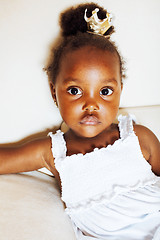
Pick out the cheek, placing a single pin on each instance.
(111, 108)
(68, 110)
(115, 104)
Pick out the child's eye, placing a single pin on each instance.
(74, 91)
(106, 91)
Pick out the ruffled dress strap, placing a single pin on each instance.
(125, 126)
(59, 148)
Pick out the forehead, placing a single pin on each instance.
(87, 58)
(91, 53)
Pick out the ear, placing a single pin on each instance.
(121, 86)
(53, 92)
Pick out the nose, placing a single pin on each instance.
(90, 105)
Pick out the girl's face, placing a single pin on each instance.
(88, 89)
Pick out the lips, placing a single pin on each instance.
(90, 120)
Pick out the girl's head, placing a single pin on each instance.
(85, 74)
(74, 35)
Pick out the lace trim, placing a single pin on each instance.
(59, 148)
(125, 126)
(105, 198)
(77, 155)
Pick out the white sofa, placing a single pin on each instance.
(30, 204)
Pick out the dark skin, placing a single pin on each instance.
(87, 92)
(92, 107)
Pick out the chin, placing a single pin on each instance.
(88, 134)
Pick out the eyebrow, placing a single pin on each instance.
(72, 80)
(110, 80)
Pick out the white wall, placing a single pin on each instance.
(27, 28)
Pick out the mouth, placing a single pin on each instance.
(90, 120)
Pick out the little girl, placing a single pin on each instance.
(108, 173)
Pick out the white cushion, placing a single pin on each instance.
(31, 208)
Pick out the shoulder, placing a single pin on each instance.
(41, 148)
(150, 146)
(44, 147)
(46, 144)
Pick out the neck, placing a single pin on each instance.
(79, 144)
(73, 135)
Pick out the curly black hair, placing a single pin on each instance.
(74, 35)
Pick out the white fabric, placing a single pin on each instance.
(110, 193)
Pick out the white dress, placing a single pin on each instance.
(110, 193)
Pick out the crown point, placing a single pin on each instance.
(96, 25)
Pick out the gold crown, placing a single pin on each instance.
(96, 25)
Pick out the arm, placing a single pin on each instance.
(27, 157)
(150, 147)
